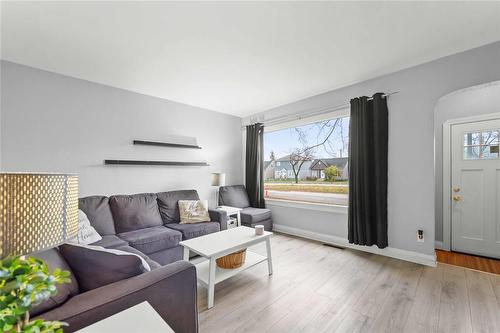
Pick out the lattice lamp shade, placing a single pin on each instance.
(218, 179)
(37, 211)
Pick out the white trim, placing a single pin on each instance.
(307, 205)
(446, 187)
(416, 257)
(438, 245)
(460, 91)
(447, 170)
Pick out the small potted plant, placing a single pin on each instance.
(24, 283)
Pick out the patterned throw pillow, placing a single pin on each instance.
(193, 211)
(86, 232)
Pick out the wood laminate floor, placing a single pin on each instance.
(316, 288)
(469, 261)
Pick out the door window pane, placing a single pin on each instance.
(471, 152)
(490, 137)
(472, 139)
(481, 145)
(490, 151)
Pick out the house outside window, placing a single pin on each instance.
(309, 161)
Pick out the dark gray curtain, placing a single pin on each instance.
(254, 169)
(368, 142)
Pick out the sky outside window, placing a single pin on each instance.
(283, 142)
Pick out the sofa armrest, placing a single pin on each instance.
(217, 215)
(171, 290)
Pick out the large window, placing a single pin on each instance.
(308, 163)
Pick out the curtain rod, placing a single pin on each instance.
(299, 116)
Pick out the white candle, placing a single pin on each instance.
(259, 230)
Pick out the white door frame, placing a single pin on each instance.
(447, 140)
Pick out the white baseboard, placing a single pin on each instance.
(438, 245)
(416, 257)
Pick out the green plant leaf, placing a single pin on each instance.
(24, 283)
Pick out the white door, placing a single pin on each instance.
(475, 192)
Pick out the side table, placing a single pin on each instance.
(232, 213)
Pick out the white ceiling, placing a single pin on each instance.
(239, 57)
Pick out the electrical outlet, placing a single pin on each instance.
(420, 236)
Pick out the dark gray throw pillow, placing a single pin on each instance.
(95, 266)
(99, 214)
(54, 260)
(168, 204)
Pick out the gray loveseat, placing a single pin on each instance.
(236, 196)
(146, 224)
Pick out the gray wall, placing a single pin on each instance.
(473, 101)
(52, 122)
(411, 139)
(318, 221)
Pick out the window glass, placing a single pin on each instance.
(310, 162)
(481, 145)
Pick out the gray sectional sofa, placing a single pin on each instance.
(148, 225)
(147, 222)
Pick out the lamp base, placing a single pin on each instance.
(216, 202)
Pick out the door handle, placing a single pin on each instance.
(456, 189)
(457, 198)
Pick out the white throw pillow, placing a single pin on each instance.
(193, 211)
(86, 232)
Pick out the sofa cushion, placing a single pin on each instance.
(99, 214)
(234, 196)
(194, 230)
(168, 204)
(95, 266)
(64, 291)
(168, 256)
(153, 239)
(254, 215)
(133, 212)
(152, 264)
(111, 242)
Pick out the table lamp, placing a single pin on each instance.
(218, 179)
(38, 211)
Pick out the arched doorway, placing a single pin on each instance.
(467, 122)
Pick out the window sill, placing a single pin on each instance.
(307, 205)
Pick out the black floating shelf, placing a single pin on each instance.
(165, 144)
(171, 163)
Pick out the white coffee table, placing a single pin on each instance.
(222, 243)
